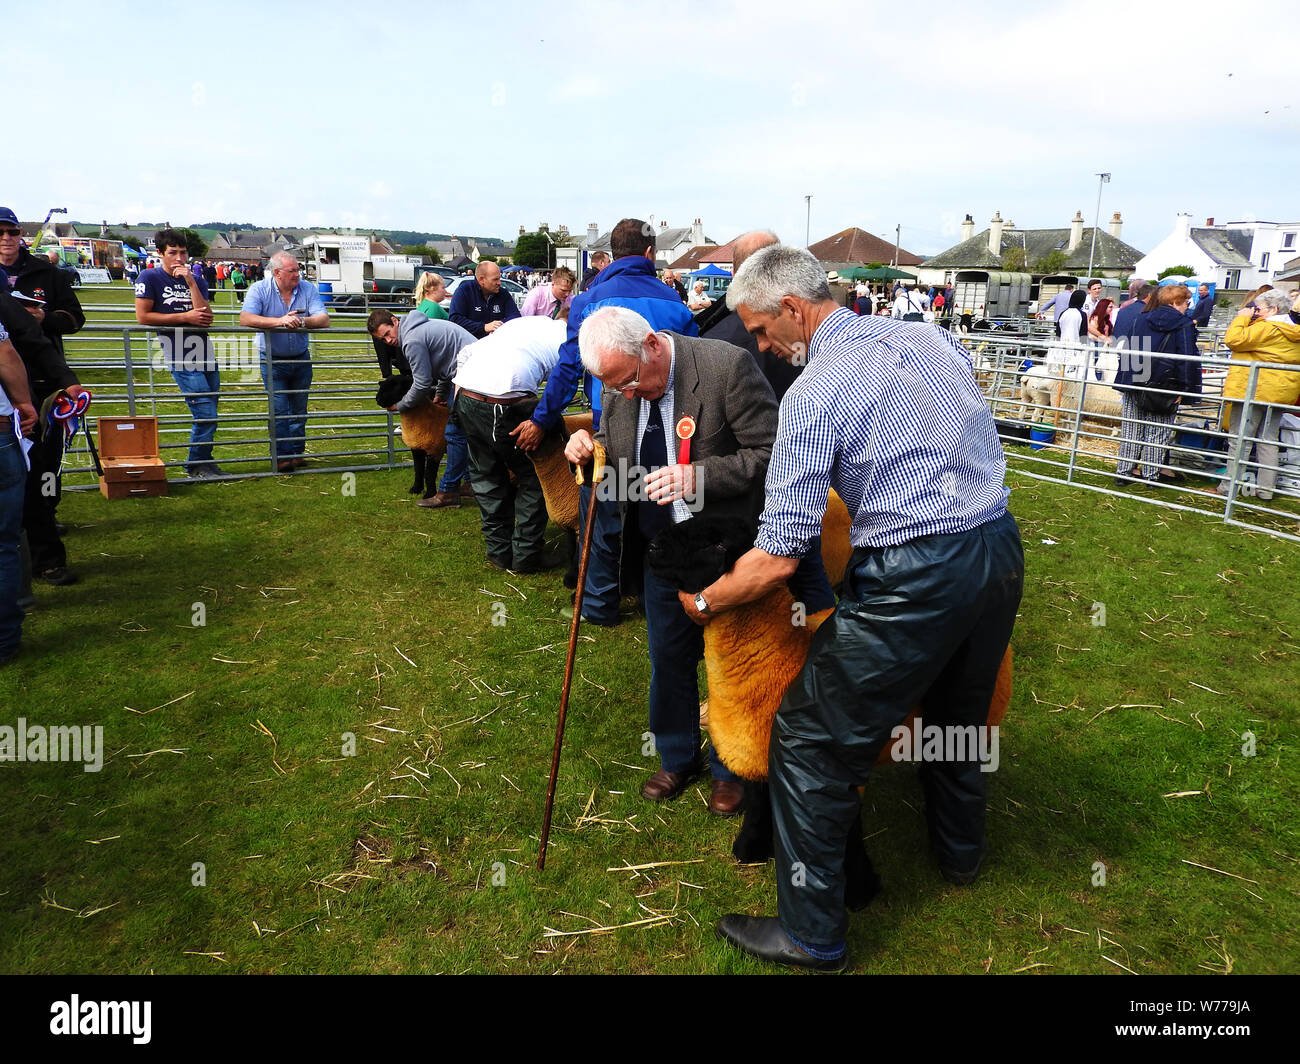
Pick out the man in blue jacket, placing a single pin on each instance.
(629, 281)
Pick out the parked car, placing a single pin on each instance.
(517, 291)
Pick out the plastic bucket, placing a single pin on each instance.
(1040, 436)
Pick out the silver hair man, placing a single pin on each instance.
(774, 273)
(612, 330)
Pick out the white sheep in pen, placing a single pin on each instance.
(1052, 388)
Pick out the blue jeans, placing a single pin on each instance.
(292, 379)
(13, 479)
(457, 467)
(601, 592)
(676, 647)
(200, 388)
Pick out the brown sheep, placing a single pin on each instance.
(425, 426)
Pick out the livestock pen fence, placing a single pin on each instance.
(1072, 434)
(125, 366)
(1078, 431)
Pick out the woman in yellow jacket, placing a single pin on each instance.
(1264, 332)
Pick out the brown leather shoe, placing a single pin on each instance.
(437, 502)
(726, 797)
(665, 786)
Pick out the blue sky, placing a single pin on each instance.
(477, 120)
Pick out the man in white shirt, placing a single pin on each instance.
(909, 305)
(697, 300)
(1090, 304)
(497, 379)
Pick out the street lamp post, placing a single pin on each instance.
(807, 232)
(1096, 221)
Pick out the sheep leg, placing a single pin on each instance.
(571, 549)
(753, 844)
(417, 458)
(861, 883)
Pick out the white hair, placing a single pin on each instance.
(1276, 301)
(774, 272)
(280, 259)
(616, 330)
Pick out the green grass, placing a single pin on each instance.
(385, 861)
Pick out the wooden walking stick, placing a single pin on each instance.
(597, 464)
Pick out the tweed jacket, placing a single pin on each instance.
(719, 385)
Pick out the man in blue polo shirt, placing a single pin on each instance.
(629, 281)
(889, 415)
(285, 301)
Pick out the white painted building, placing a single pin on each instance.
(1238, 255)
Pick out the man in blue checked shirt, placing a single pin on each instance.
(889, 415)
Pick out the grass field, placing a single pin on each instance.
(236, 825)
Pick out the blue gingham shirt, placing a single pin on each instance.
(678, 509)
(889, 415)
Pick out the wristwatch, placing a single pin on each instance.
(701, 605)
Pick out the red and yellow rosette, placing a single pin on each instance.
(685, 430)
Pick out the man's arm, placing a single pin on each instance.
(317, 317)
(13, 377)
(561, 382)
(43, 360)
(146, 315)
(251, 316)
(63, 313)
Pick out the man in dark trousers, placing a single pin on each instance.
(890, 416)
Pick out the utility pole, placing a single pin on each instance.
(898, 239)
(807, 232)
(1096, 221)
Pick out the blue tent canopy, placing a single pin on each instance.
(711, 271)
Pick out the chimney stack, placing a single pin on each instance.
(1182, 223)
(697, 233)
(663, 224)
(1116, 225)
(1008, 227)
(1076, 231)
(995, 234)
(968, 228)
(1209, 221)
(593, 231)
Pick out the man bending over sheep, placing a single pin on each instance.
(889, 415)
(430, 348)
(497, 379)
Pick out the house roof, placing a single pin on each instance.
(693, 258)
(1111, 253)
(859, 247)
(1226, 247)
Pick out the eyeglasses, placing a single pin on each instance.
(11, 232)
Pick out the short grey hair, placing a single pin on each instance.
(615, 329)
(1275, 301)
(774, 272)
(280, 259)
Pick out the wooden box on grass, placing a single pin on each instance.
(128, 451)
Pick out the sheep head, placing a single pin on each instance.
(695, 553)
(391, 390)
